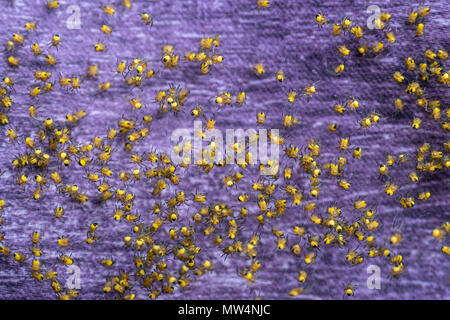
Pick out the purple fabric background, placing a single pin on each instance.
(283, 36)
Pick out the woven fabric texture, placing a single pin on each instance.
(283, 36)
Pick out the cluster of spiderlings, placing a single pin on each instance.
(133, 73)
(432, 160)
(169, 58)
(168, 239)
(171, 99)
(361, 45)
(226, 98)
(429, 66)
(419, 76)
(50, 275)
(426, 161)
(418, 19)
(207, 56)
